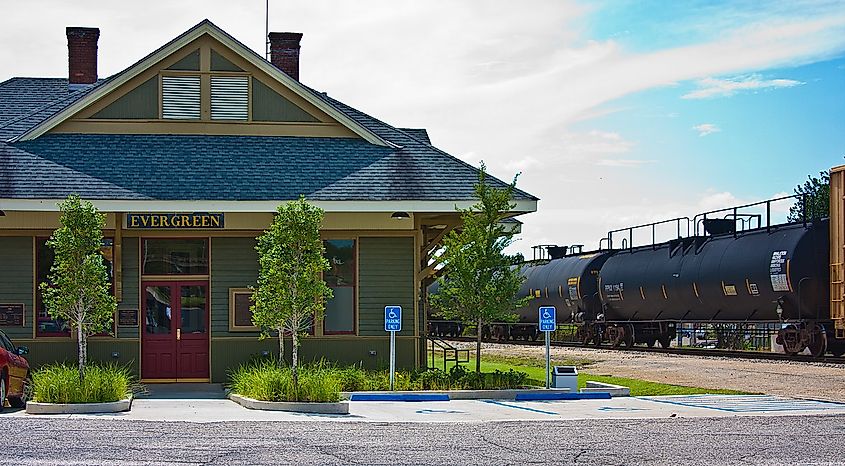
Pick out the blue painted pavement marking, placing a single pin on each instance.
(747, 403)
(562, 396)
(439, 411)
(525, 408)
(620, 408)
(398, 397)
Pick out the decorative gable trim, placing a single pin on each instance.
(204, 27)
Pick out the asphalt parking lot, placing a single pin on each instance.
(732, 440)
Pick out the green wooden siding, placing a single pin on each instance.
(230, 353)
(131, 295)
(191, 62)
(234, 264)
(268, 105)
(386, 277)
(16, 280)
(218, 63)
(140, 103)
(44, 351)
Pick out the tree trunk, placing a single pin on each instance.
(295, 361)
(83, 351)
(281, 346)
(478, 348)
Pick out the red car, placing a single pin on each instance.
(14, 373)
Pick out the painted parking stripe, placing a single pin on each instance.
(525, 408)
(398, 397)
(747, 403)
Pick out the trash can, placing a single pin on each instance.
(565, 377)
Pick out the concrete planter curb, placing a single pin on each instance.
(294, 406)
(120, 406)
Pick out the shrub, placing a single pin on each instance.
(269, 381)
(59, 383)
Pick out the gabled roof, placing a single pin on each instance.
(204, 27)
(251, 173)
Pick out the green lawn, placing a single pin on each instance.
(536, 374)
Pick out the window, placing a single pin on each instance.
(240, 315)
(229, 97)
(180, 97)
(45, 325)
(340, 310)
(175, 256)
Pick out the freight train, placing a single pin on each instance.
(731, 269)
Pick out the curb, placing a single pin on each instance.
(33, 407)
(293, 406)
(399, 397)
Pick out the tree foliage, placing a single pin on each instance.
(816, 191)
(291, 293)
(80, 291)
(480, 283)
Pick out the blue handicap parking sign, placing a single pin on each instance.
(548, 322)
(393, 318)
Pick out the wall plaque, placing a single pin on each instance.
(127, 318)
(173, 221)
(11, 315)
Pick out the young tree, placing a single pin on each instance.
(480, 284)
(816, 191)
(291, 293)
(80, 292)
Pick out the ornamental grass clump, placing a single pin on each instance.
(60, 383)
(268, 380)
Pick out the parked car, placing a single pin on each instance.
(14, 373)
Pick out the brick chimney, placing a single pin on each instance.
(82, 55)
(284, 52)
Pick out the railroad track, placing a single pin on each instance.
(758, 355)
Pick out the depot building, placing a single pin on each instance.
(189, 152)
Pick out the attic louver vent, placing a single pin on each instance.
(229, 97)
(180, 97)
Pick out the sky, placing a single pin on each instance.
(614, 113)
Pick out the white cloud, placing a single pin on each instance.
(706, 128)
(711, 87)
(625, 163)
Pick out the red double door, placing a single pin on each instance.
(174, 338)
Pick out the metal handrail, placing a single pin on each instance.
(629, 244)
(699, 218)
(446, 348)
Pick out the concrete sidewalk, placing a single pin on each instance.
(205, 408)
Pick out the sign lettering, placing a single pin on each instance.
(203, 220)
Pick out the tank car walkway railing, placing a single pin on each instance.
(450, 353)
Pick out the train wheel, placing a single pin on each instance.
(818, 341)
(665, 341)
(651, 342)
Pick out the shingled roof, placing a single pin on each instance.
(205, 167)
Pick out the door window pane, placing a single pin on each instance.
(159, 310)
(175, 257)
(340, 310)
(192, 303)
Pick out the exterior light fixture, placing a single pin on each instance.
(400, 215)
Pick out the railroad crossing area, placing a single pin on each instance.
(210, 409)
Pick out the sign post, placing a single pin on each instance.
(392, 324)
(548, 324)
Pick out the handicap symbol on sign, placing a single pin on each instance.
(546, 314)
(391, 314)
